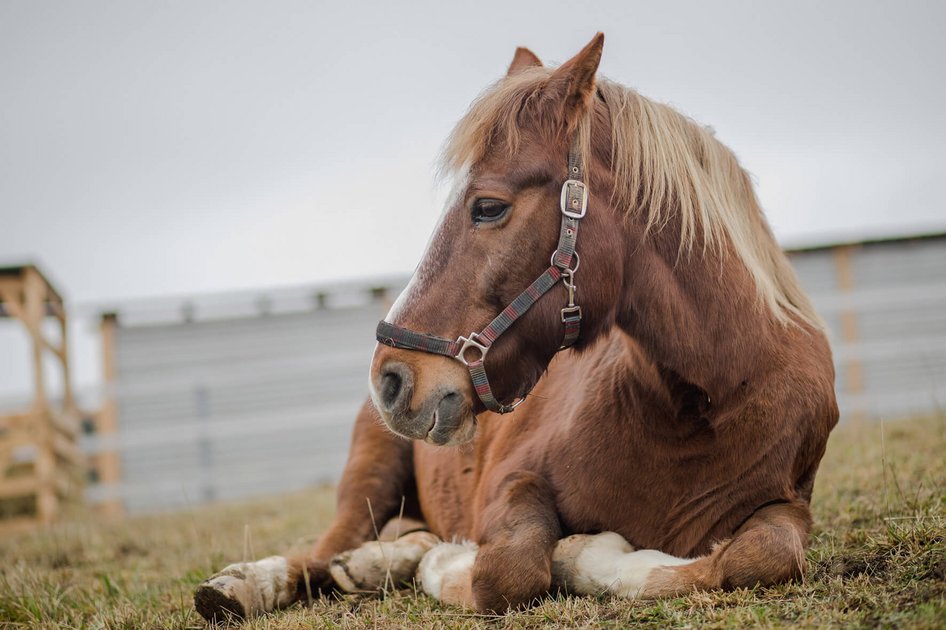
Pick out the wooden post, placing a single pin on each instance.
(68, 400)
(34, 309)
(853, 368)
(109, 464)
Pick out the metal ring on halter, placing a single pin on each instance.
(577, 260)
(466, 344)
(513, 405)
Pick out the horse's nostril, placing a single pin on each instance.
(390, 388)
(395, 386)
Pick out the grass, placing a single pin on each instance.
(877, 559)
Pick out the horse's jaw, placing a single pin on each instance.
(445, 425)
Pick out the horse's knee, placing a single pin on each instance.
(506, 579)
(762, 557)
(517, 532)
(770, 551)
(484, 578)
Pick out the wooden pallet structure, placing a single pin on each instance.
(40, 462)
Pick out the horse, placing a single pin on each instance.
(645, 407)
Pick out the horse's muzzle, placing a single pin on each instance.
(443, 417)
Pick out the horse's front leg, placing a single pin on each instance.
(512, 563)
(380, 471)
(768, 549)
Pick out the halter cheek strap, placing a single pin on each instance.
(472, 350)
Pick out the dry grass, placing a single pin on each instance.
(878, 558)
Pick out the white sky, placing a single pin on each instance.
(149, 149)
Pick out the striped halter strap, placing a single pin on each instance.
(472, 350)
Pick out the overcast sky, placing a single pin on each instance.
(150, 149)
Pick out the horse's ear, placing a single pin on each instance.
(574, 80)
(523, 59)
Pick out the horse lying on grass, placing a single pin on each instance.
(672, 445)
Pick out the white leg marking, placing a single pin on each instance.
(443, 562)
(258, 587)
(589, 565)
(375, 565)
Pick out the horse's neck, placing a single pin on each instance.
(697, 315)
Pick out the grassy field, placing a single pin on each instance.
(878, 558)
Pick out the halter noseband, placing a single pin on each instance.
(574, 205)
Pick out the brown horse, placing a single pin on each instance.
(672, 447)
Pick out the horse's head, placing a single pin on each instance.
(496, 237)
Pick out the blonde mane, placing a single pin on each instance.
(662, 163)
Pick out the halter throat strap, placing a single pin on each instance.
(472, 350)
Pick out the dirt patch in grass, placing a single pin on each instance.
(877, 558)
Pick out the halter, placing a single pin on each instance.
(574, 205)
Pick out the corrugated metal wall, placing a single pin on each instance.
(235, 407)
(259, 397)
(885, 304)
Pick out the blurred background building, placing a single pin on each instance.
(230, 396)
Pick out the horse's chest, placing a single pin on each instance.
(446, 483)
(638, 482)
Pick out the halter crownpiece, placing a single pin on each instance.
(472, 350)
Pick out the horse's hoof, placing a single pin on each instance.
(245, 590)
(216, 602)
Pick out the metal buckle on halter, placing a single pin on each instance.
(470, 342)
(568, 310)
(578, 206)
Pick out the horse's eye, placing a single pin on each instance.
(486, 210)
